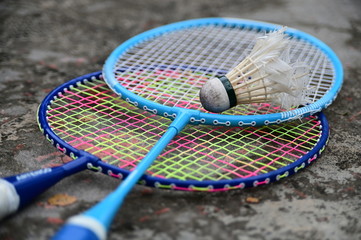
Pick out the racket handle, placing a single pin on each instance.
(9, 199)
(81, 227)
(19, 190)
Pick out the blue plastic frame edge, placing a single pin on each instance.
(228, 120)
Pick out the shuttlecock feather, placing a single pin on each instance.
(264, 76)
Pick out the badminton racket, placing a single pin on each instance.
(162, 70)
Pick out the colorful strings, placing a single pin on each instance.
(92, 118)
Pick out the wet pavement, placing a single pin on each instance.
(45, 43)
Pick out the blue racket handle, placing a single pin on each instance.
(9, 199)
(81, 227)
(19, 190)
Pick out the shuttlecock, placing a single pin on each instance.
(264, 76)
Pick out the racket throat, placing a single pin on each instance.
(80, 163)
(183, 117)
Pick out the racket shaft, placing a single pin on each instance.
(103, 213)
(21, 189)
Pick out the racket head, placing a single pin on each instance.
(175, 60)
(85, 115)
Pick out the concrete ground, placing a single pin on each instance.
(45, 43)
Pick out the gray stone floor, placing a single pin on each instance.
(45, 43)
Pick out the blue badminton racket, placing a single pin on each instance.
(162, 70)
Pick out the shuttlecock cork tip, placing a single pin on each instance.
(217, 95)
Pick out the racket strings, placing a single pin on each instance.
(177, 63)
(99, 125)
(166, 47)
(228, 153)
(92, 118)
(189, 55)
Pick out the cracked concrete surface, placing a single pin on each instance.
(45, 43)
